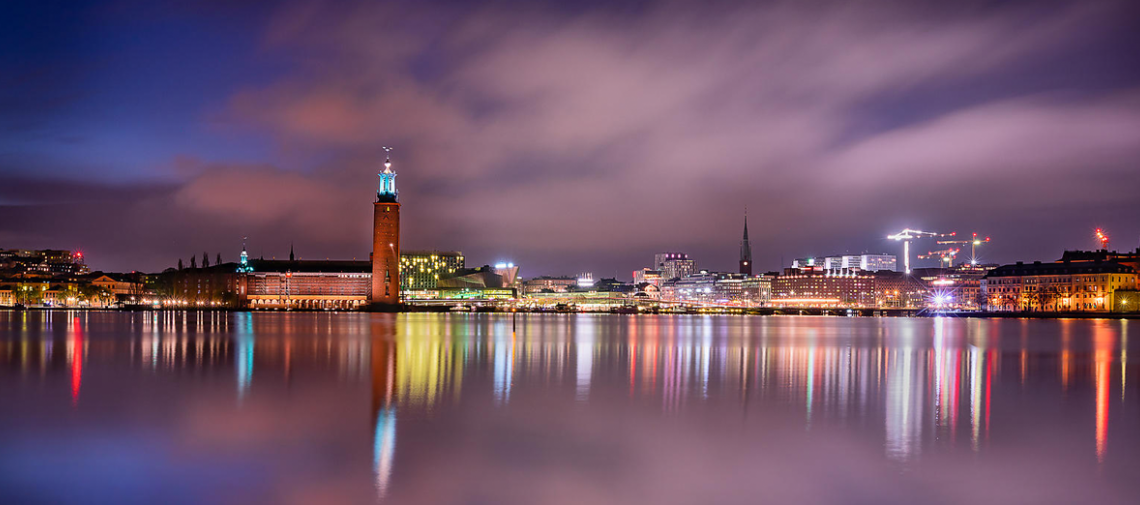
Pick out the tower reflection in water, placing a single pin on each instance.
(923, 382)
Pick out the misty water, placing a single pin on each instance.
(216, 407)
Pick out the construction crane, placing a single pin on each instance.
(944, 255)
(1102, 238)
(973, 242)
(906, 236)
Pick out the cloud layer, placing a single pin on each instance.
(588, 137)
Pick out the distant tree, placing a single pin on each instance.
(205, 260)
(218, 259)
(180, 263)
(194, 261)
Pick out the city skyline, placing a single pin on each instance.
(1017, 121)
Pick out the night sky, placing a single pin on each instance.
(567, 136)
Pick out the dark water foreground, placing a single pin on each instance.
(564, 409)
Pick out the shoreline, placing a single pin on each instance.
(916, 313)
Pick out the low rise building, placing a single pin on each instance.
(757, 289)
(549, 284)
(313, 285)
(1065, 286)
(809, 288)
(713, 288)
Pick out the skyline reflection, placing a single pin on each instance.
(917, 385)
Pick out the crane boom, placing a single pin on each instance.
(907, 235)
(973, 242)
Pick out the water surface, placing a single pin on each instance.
(213, 407)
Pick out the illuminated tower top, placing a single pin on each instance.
(387, 191)
(244, 266)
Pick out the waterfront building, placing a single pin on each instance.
(757, 289)
(710, 288)
(958, 287)
(313, 285)
(809, 288)
(476, 283)
(549, 284)
(1065, 286)
(119, 285)
(213, 286)
(898, 290)
(268, 284)
(386, 240)
(674, 265)
(422, 269)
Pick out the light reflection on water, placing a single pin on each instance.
(919, 389)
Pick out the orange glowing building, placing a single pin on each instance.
(386, 241)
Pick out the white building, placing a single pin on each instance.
(849, 263)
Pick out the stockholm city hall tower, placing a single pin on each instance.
(386, 240)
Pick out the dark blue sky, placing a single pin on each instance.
(567, 137)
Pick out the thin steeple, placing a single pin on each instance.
(745, 249)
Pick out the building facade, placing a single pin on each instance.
(549, 284)
(714, 288)
(1087, 286)
(423, 269)
(757, 289)
(306, 285)
(811, 288)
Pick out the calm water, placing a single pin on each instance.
(241, 408)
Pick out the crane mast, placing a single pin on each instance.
(907, 235)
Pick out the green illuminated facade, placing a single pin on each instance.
(422, 269)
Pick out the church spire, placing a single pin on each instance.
(745, 249)
(387, 191)
(291, 258)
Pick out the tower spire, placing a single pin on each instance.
(291, 251)
(745, 249)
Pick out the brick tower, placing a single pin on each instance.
(386, 240)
